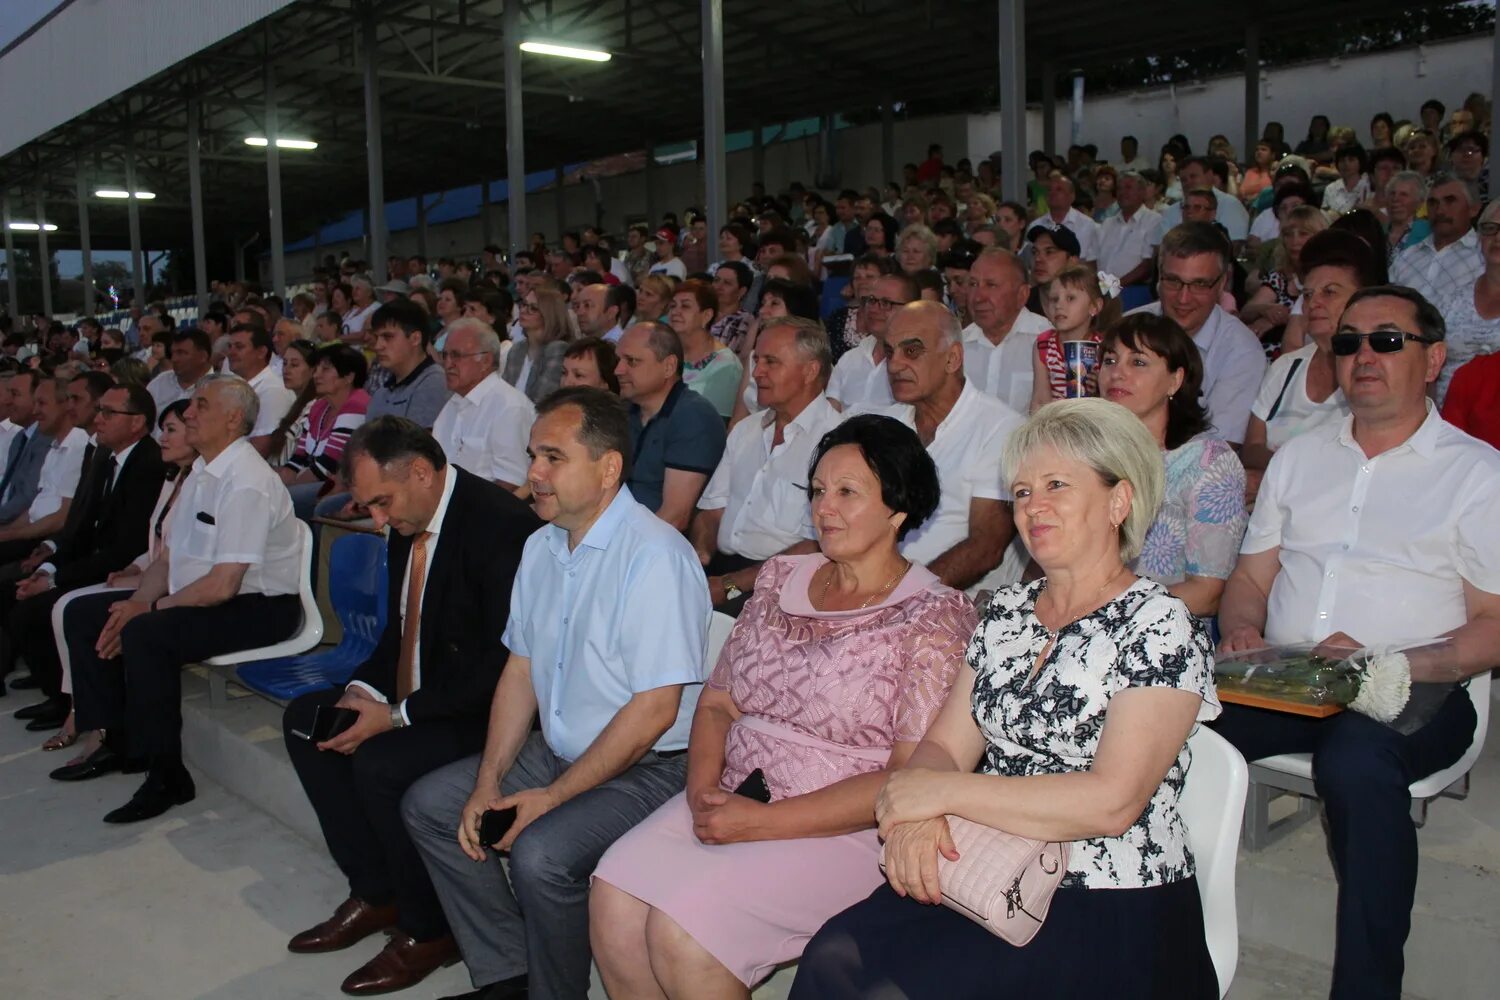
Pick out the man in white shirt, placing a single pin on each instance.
(191, 357)
(1198, 172)
(1127, 240)
(755, 505)
(667, 261)
(1448, 260)
(1374, 533)
(59, 477)
(250, 355)
(965, 432)
(999, 344)
(1130, 158)
(860, 376)
(1194, 263)
(226, 580)
(1060, 212)
(484, 425)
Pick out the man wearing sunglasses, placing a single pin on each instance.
(1374, 533)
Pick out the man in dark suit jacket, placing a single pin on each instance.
(423, 697)
(107, 527)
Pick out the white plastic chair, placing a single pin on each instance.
(1293, 773)
(305, 638)
(1212, 806)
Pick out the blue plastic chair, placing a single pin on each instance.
(357, 588)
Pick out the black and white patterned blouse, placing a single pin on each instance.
(1143, 638)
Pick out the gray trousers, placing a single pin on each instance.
(537, 920)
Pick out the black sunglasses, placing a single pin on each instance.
(1381, 342)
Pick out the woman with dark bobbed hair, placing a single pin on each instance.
(339, 373)
(836, 666)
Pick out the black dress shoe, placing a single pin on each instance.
(101, 762)
(26, 683)
(52, 713)
(513, 988)
(155, 797)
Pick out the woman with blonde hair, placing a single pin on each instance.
(652, 297)
(1270, 308)
(536, 366)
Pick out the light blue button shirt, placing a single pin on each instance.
(625, 612)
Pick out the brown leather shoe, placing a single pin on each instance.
(353, 921)
(403, 962)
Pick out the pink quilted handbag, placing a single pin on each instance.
(1001, 881)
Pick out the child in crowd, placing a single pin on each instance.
(1081, 305)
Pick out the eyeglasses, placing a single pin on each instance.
(530, 307)
(1381, 341)
(109, 412)
(871, 302)
(1171, 284)
(459, 355)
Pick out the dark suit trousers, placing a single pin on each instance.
(28, 629)
(358, 801)
(142, 688)
(10, 575)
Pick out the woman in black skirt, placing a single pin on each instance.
(1081, 691)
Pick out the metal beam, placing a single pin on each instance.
(560, 203)
(10, 258)
(133, 214)
(273, 184)
(651, 190)
(195, 195)
(715, 183)
(758, 154)
(1049, 107)
(1013, 99)
(515, 133)
(44, 256)
(374, 150)
(85, 246)
(888, 139)
(1252, 91)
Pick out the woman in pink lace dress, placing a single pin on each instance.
(831, 675)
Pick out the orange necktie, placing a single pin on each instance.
(406, 671)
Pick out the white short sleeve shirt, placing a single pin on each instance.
(859, 380)
(1081, 226)
(1005, 370)
(1285, 389)
(1124, 243)
(1440, 275)
(275, 400)
(1378, 548)
(763, 489)
(486, 432)
(59, 476)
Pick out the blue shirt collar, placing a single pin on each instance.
(600, 533)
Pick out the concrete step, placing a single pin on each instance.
(1286, 894)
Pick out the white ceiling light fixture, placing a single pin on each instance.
(260, 140)
(32, 227)
(566, 51)
(121, 193)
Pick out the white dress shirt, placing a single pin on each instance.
(858, 380)
(1439, 274)
(434, 529)
(968, 450)
(275, 400)
(235, 509)
(486, 432)
(1267, 226)
(1231, 214)
(1234, 365)
(762, 488)
(1005, 370)
(1124, 243)
(615, 333)
(1378, 548)
(59, 476)
(1081, 226)
(8, 431)
(166, 390)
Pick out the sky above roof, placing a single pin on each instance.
(18, 15)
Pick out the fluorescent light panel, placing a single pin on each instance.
(565, 51)
(260, 140)
(120, 193)
(31, 227)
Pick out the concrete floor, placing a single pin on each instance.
(200, 902)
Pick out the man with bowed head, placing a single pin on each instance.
(613, 683)
(422, 696)
(1374, 533)
(965, 432)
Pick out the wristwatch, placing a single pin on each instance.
(731, 592)
(398, 721)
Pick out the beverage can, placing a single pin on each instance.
(1081, 367)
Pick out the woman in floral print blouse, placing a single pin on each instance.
(1071, 724)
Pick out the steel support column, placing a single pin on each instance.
(273, 184)
(1013, 171)
(888, 140)
(422, 225)
(85, 245)
(195, 196)
(651, 215)
(1252, 91)
(559, 202)
(10, 260)
(715, 182)
(758, 155)
(44, 256)
(1049, 107)
(138, 274)
(486, 224)
(515, 133)
(374, 155)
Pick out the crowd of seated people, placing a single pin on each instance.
(854, 422)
